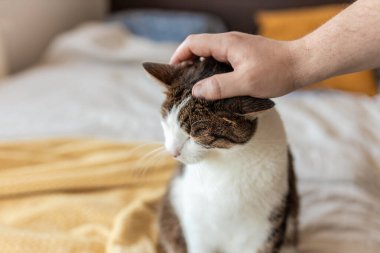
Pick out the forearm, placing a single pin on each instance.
(265, 68)
(349, 42)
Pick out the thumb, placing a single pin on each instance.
(218, 87)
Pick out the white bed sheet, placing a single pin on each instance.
(91, 84)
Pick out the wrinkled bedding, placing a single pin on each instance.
(91, 84)
(81, 196)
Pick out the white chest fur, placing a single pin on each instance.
(224, 202)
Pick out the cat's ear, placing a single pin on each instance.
(253, 106)
(249, 107)
(162, 73)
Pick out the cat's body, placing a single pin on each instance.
(236, 191)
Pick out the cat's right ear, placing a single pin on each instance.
(162, 73)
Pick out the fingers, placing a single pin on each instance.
(219, 86)
(218, 46)
(203, 45)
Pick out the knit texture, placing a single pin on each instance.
(80, 195)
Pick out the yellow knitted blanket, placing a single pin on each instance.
(80, 195)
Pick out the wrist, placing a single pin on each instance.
(300, 69)
(306, 67)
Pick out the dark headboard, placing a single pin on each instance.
(237, 14)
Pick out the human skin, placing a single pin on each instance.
(266, 68)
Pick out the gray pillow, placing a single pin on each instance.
(165, 25)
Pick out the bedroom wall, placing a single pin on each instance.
(27, 26)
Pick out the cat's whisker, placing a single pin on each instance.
(145, 168)
(152, 152)
(145, 159)
(142, 159)
(145, 162)
(154, 155)
(135, 150)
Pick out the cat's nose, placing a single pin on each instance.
(175, 148)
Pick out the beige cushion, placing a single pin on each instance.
(29, 25)
(3, 66)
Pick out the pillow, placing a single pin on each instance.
(30, 26)
(3, 67)
(173, 26)
(291, 24)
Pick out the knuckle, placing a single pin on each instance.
(215, 88)
(231, 39)
(191, 38)
(233, 36)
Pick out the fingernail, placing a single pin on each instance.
(198, 90)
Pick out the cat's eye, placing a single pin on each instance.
(198, 131)
(193, 124)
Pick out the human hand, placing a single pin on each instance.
(262, 67)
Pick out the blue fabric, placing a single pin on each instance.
(163, 25)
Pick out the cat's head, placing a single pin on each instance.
(194, 127)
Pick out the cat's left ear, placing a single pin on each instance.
(162, 73)
(249, 107)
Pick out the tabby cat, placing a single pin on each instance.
(235, 191)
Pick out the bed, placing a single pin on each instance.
(90, 85)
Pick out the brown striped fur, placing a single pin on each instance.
(212, 124)
(284, 218)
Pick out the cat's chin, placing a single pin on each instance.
(192, 157)
(189, 160)
(192, 153)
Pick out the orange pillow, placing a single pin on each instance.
(291, 24)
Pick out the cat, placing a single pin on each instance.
(235, 191)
